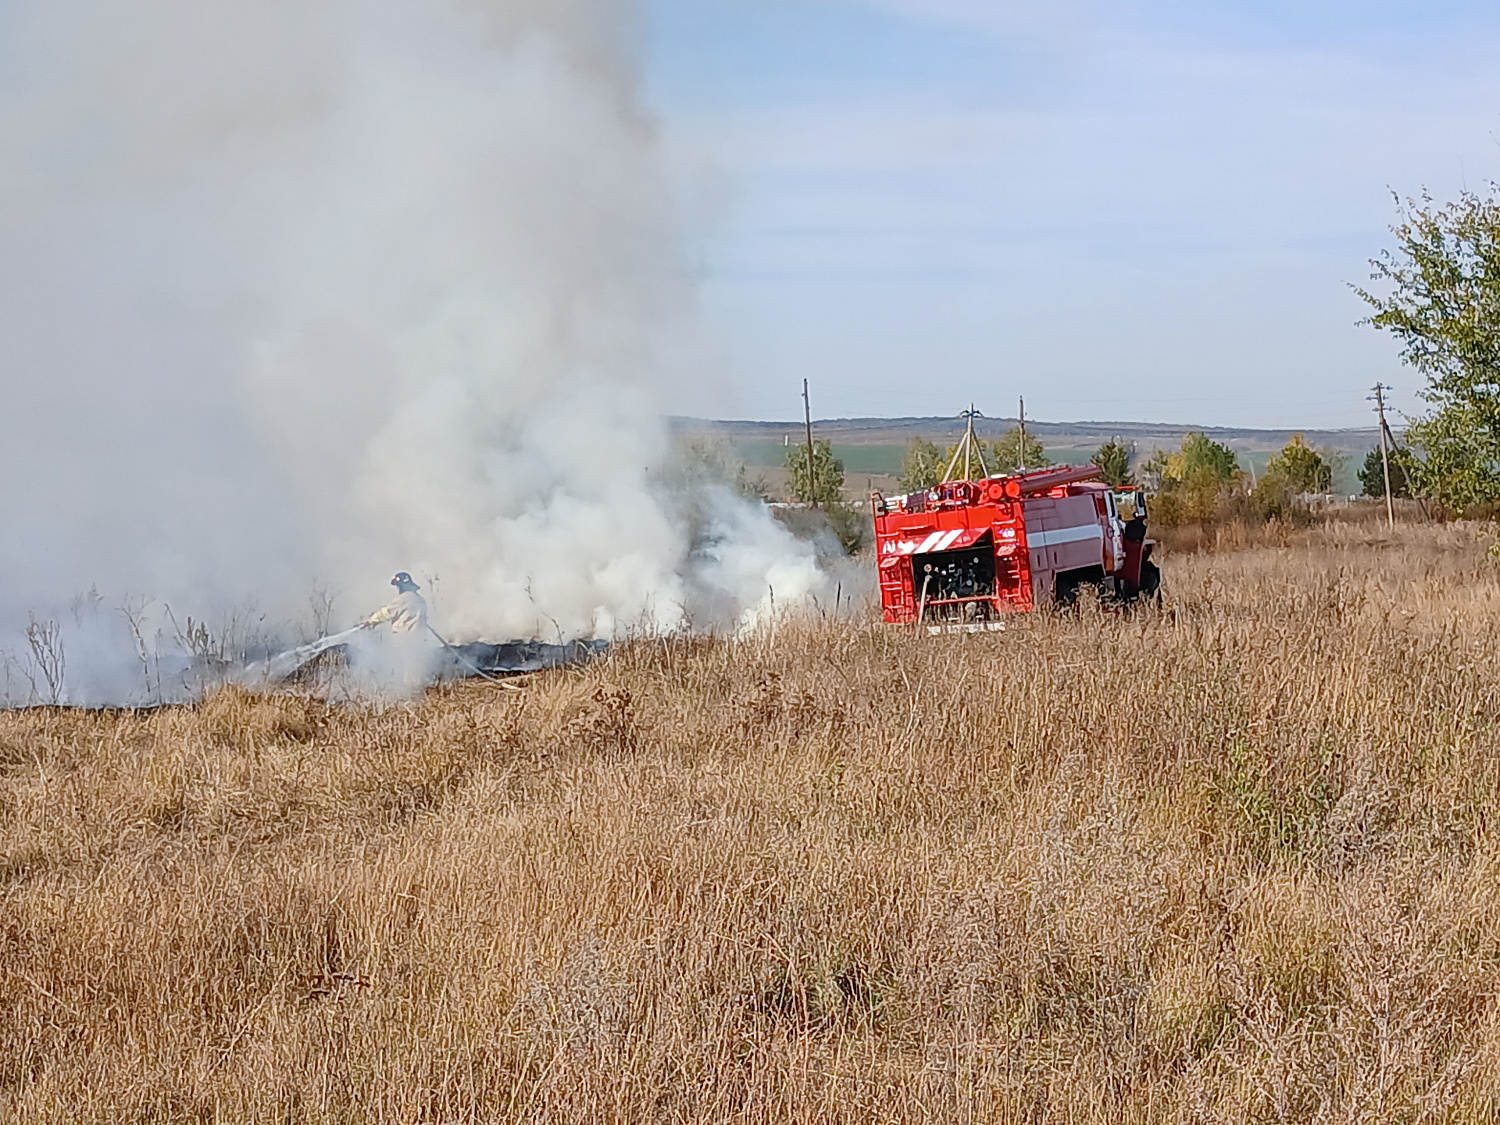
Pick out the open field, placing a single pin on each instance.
(896, 432)
(866, 467)
(1233, 861)
(874, 446)
(877, 460)
(869, 466)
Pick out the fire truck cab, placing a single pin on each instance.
(971, 551)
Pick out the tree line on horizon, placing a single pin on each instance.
(1197, 482)
(1201, 481)
(1440, 299)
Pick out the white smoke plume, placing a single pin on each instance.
(297, 293)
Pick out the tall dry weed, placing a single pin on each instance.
(1229, 860)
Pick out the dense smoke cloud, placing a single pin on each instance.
(303, 293)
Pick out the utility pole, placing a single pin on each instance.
(1385, 457)
(1021, 453)
(968, 441)
(812, 489)
(969, 449)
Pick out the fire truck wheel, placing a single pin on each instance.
(1071, 584)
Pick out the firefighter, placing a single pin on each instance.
(1135, 532)
(407, 611)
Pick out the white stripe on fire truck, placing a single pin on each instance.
(1036, 539)
(929, 543)
(937, 541)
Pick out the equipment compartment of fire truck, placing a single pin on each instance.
(968, 552)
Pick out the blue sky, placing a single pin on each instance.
(1120, 210)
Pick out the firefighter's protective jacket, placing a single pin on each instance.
(406, 612)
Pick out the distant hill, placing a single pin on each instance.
(1055, 435)
(871, 448)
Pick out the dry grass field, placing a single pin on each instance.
(1238, 860)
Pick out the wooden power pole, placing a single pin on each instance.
(969, 449)
(1385, 456)
(1021, 451)
(812, 488)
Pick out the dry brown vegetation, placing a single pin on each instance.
(1229, 862)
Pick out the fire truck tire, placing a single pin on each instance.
(1070, 583)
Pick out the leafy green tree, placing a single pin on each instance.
(1201, 453)
(1443, 305)
(1113, 460)
(825, 484)
(922, 466)
(1005, 454)
(1297, 468)
(836, 528)
(1372, 476)
(1198, 456)
(1300, 467)
(1191, 482)
(851, 524)
(704, 459)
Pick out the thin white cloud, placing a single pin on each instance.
(1170, 223)
(997, 17)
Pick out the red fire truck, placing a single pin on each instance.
(968, 552)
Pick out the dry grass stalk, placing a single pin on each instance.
(1229, 862)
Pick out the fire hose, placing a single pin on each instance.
(475, 668)
(279, 667)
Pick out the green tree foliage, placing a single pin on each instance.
(922, 466)
(1444, 308)
(1372, 476)
(1113, 460)
(851, 524)
(1296, 469)
(1005, 453)
(825, 484)
(837, 528)
(1198, 457)
(1191, 482)
(1202, 454)
(704, 459)
(1301, 467)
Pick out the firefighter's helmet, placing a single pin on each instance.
(402, 580)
